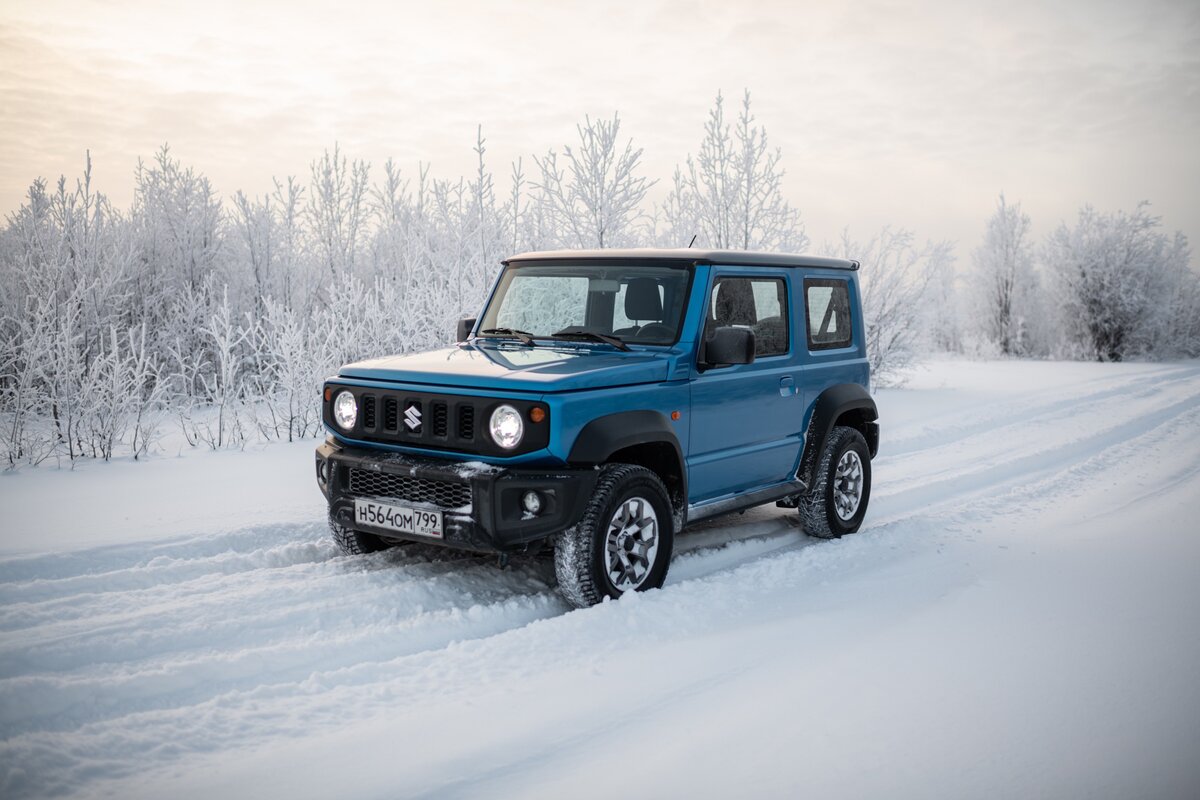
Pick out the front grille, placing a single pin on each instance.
(369, 411)
(414, 490)
(390, 413)
(435, 421)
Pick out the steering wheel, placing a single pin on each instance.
(654, 330)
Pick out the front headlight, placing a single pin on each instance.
(506, 427)
(345, 410)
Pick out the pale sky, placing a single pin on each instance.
(913, 114)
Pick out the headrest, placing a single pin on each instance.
(642, 301)
(735, 303)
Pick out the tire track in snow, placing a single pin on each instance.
(956, 473)
(1009, 411)
(1112, 475)
(301, 621)
(328, 628)
(115, 559)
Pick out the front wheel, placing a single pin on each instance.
(623, 541)
(356, 543)
(837, 501)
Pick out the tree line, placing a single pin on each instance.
(220, 317)
(1110, 286)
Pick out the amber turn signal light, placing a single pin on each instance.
(328, 393)
(537, 414)
(675, 415)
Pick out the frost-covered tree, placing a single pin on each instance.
(593, 198)
(27, 434)
(337, 210)
(67, 272)
(223, 377)
(297, 289)
(730, 195)
(1116, 280)
(254, 221)
(1183, 326)
(1003, 278)
(176, 219)
(470, 228)
(295, 363)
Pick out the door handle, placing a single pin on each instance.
(787, 386)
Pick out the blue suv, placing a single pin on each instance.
(604, 400)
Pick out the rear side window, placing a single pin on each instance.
(759, 304)
(828, 306)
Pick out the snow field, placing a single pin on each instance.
(1016, 619)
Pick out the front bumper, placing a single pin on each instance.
(480, 503)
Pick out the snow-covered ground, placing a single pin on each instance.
(1019, 617)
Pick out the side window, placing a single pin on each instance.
(828, 306)
(759, 304)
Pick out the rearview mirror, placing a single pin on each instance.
(729, 345)
(465, 326)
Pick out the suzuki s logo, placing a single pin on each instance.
(412, 417)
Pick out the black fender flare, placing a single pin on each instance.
(603, 436)
(829, 406)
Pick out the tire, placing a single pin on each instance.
(355, 543)
(826, 509)
(630, 509)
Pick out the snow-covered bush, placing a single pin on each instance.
(1123, 286)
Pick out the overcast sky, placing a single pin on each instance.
(914, 114)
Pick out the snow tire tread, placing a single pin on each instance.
(816, 506)
(353, 543)
(574, 553)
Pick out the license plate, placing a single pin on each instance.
(398, 518)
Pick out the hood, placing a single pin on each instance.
(516, 367)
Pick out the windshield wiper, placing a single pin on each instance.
(606, 338)
(524, 336)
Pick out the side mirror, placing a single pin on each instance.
(465, 326)
(729, 345)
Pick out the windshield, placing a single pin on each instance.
(637, 304)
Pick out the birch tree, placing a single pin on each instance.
(297, 291)
(593, 197)
(1003, 278)
(337, 210)
(176, 217)
(730, 195)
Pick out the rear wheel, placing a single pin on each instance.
(837, 501)
(623, 541)
(356, 543)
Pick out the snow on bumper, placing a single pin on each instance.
(480, 503)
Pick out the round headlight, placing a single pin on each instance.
(506, 427)
(345, 410)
